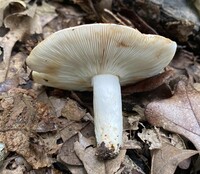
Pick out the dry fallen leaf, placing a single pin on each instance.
(166, 159)
(13, 5)
(87, 154)
(72, 111)
(88, 157)
(174, 141)
(71, 128)
(182, 60)
(19, 24)
(114, 165)
(179, 113)
(21, 19)
(69, 135)
(186, 63)
(147, 84)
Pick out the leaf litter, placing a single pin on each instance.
(48, 130)
(184, 121)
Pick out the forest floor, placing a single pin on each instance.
(44, 130)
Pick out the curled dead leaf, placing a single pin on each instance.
(10, 5)
(148, 84)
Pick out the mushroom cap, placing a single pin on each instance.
(70, 58)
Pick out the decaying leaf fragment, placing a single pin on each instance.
(179, 113)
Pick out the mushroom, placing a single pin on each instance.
(100, 57)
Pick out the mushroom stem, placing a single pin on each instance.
(107, 115)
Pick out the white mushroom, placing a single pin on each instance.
(101, 56)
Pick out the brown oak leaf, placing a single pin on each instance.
(179, 114)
